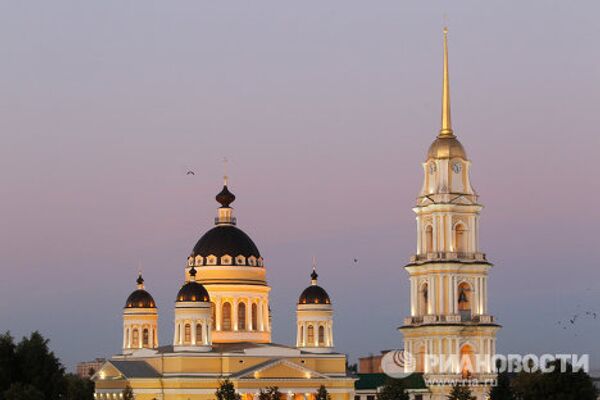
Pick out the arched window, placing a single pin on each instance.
(226, 322)
(302, 335)
(420, 359)
(460, 238)
(321, 335)
(310, 331)
(135, 338)
(429, 239)
(145, 338)
(242, 316)
(467, 361)
(424, 300)
(198, 333)
(464, 300)
(254, 310)
(187, 334)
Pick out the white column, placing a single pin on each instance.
(435, 232)
(419, 234)
(151, 337)
(266, 316)
(485, 295)
(181, 332)
(249, 326)
(218, 314)
(193, 333)
(304, 335)
(208, 333)
(432, 295)
(259, 310)
(413, 296)
(234, 313)
(124, 336)
(449, 245)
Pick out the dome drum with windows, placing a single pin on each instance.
(314, 318)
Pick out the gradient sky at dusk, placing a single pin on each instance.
(325, 111)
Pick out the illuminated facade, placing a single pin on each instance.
(222, 329)
(449, 316)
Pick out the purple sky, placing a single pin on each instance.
(325, 112)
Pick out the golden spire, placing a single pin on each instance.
(446, 130)
(225, 177)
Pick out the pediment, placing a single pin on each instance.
(280, 369)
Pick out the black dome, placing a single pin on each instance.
(140, 299)
(225, 239)
(193, 291)
(225, 197)
(314, 294)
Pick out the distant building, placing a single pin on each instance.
(371, 364)
(86, 369)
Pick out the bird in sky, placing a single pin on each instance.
(190, 172)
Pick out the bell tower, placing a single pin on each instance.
(449, 319)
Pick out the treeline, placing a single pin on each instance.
(30, 371)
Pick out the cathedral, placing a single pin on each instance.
(222, 329)
(222, 323)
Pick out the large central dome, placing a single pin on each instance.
(225, 240)
(225, 244)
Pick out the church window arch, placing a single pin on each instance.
(145, 337)
(429, 239)
(321, 335)
(424, 299)
(254, 312)
(135, 338)
(198, 333)
(460, 238)
(187, 334)
(464, 300)
(310, 335)
(226, 317)
(242, 316)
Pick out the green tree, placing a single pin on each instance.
(556, 385)
(8, 362)
(128, 393)
(39, 367)
(502, 390)
(270, 393)
(322, 393)
(460, 392)
(21, 391)
(78, 388)
(393, 390)
(226, 391)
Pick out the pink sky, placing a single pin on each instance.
(325, 113)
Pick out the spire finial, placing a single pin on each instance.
(314, 275)
(140, 280)
(225, 177)
(193, 273)
(446, 129)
